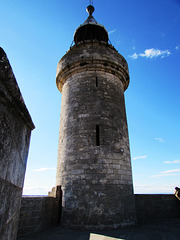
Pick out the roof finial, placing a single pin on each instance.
(90, 9)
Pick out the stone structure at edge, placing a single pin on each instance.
(94, 166)
(15, 132)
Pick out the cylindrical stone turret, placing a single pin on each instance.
(94, 165)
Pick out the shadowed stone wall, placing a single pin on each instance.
(15, 131)
(154, 206)
(38, 213)
(94, 165)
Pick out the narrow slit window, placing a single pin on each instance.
(96, 82)
(97, 136)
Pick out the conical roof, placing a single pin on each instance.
(91, 29)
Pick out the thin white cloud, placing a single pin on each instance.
(112, 31)
(134, 56)
(177, 47)
(165, 188)
(171, 171)
(161, 140)
(164, 175)
(139, 157)
(173, 162)
(152, 53)
(43, 169)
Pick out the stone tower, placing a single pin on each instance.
(94, 166)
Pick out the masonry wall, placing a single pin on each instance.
(94, 166)
(15, 132)
(156, 206)
(37, 213)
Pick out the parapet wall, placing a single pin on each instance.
(39, 213)
(156, 206)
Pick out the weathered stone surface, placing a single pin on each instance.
(156, 206)
(15, 131)
(96, 177)
(37, 214)
(92, 57)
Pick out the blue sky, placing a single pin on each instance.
(36, 34)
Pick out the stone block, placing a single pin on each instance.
(102, 237)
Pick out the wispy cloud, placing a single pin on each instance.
(43, 169)
(152, 53)
(165, 188)
(161, 140)
(177, 47)
(112, 31)
(134, 56)
(163, 175)
(139, 157)
(171, 172)
(173, 162)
